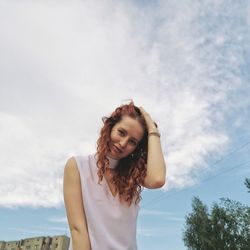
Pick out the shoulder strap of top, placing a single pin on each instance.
(83, 165)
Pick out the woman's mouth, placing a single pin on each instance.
(117, 149)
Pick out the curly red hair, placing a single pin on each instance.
(130, 172)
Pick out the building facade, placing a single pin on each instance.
(60, 242)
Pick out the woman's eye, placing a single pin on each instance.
(133, 142)
(121, 132)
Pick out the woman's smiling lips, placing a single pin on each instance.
(117, 149)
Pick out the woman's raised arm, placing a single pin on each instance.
(156, 166)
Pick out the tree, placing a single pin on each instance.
(231, 225)
(198, 227)
(227, 227)
(247, 183)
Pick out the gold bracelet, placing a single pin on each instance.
(154, 133)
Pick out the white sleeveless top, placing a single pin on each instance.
(111, 224)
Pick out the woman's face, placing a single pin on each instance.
(125, 136)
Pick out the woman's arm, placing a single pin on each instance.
(156, 167)
(74, 206)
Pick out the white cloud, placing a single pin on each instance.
(64, 65)
(164, 215)
(58, 219)
(30, 232)
(155, 232)
(40, 231)
(154, 212)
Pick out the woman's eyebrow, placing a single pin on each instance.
(127, 132)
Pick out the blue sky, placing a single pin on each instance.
(65, 64)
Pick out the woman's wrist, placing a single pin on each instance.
(154, 133)
(151, 125)
(153, 129)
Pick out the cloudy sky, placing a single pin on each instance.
(66, 64)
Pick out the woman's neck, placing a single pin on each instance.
(112, 162)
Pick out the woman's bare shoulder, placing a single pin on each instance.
(71, 167)
(70, 162)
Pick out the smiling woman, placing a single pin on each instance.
(125, 136)
(102, 190)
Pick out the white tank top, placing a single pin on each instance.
(111, 224)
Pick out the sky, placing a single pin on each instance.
(66, 64)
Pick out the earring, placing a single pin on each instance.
(142, 153)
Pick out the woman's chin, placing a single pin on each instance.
(113, 155)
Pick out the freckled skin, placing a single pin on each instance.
(125, 135)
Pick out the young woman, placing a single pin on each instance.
(102, 190)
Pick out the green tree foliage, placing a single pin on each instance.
(197, 227)
(226, 227)
(247, 183)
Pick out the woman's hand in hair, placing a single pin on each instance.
(151, 125)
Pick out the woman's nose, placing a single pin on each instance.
(123, 143)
